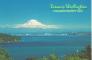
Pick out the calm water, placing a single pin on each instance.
(46, 45)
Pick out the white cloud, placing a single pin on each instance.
(35, 24)
(7, 26)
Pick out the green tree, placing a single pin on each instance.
(53, 57)
(4, 55)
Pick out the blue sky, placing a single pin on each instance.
(20, 11)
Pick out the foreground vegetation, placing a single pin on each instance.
(85, 54)
(5, 38)
(4, 55)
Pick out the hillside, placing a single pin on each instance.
(5, 38)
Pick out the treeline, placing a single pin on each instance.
(6, 38)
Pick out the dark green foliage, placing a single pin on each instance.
(72, 57)
(4, 55)
(53, 57)
(86, 53)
